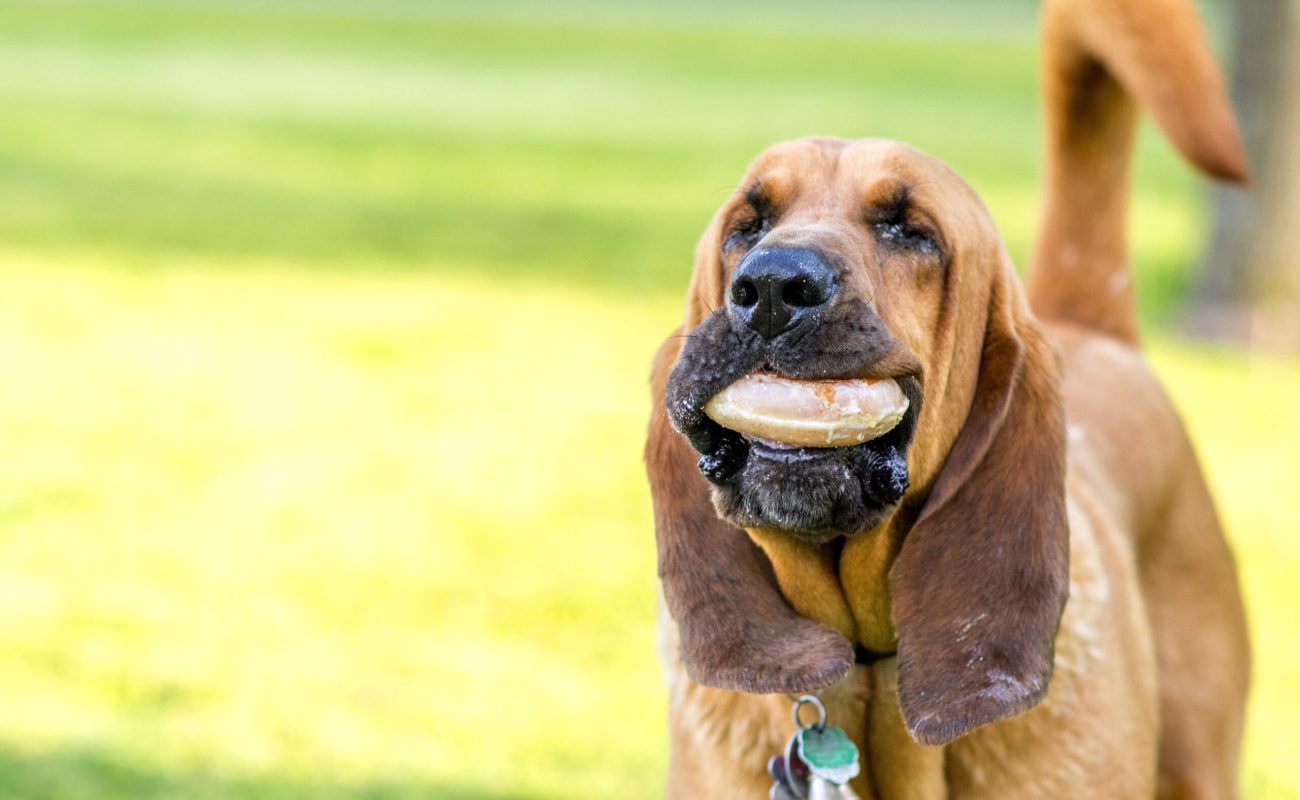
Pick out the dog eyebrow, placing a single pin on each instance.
(756, 197)
(894, 206)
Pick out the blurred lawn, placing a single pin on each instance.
(326, 329)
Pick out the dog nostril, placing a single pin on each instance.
(801, 293)
(744, 293)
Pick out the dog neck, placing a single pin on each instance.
(814, 577)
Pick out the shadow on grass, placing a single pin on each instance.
(90, 773)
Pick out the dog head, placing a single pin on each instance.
(867, 259)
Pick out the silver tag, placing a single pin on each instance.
(822, 789)
(789, 773)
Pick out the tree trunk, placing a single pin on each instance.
(1250, 281)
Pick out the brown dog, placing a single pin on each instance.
(1028, 568)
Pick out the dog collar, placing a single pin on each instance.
(866, 656)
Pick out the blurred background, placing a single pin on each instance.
(325, 330)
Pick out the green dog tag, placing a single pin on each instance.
(829, 753)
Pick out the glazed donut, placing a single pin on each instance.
(821, 413)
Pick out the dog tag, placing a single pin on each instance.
(822, 789)
(829, 753)
(776, 770)
(789, 774)
(818, 762)
(780, 791)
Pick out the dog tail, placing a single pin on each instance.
(1101, 59)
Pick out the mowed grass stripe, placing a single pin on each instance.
(590, 153)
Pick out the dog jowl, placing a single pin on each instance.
(787, 315)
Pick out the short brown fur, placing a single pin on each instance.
(1063, 605)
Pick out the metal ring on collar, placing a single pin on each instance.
(821, 712)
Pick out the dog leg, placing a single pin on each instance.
(1196, 614)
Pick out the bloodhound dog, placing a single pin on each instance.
(1022, 590)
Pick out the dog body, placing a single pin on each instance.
(1098, 731)
(1042, 462)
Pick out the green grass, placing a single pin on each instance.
(317, 481)
(576, 148)
(271, 532)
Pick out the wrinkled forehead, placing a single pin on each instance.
(830, 172)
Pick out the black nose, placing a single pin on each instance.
(776, 288)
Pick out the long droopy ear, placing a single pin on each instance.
(735, 629)
(980, 583)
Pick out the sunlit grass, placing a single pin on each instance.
(1244, 416)
(336, 529)
(297, 535)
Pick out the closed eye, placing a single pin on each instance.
(902, 234)
(896, 223)
(753, 224)
(748, 231)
